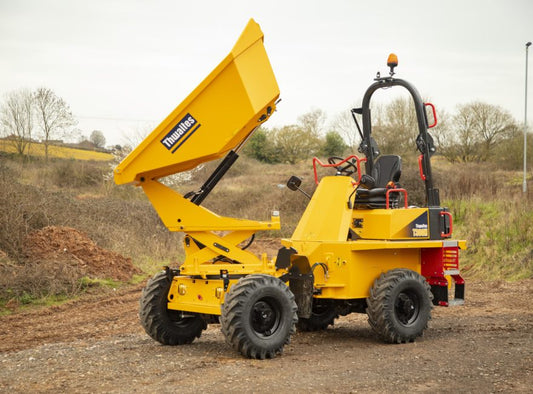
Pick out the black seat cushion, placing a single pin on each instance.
(386, 169)
(371, 193)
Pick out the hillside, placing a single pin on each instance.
(62, 152)
(490, 212)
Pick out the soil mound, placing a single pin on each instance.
(68, 244)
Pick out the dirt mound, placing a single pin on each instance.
(68, 244)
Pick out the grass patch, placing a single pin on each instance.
(499, 233)
(27, 301)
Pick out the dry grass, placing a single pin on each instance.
(252, 190)
(489, 209)
(128, 226)
(23, 283)
(488, 205)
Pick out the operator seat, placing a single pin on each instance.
(371, 192)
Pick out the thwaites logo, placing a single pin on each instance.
(180, 133)
(419, 227)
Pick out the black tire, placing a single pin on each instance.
(322, 316)
(399, 306)
(259, 316)
(167, 326)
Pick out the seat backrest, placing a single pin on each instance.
(387, 168)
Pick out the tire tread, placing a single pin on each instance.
(154, 319)
(379, 305)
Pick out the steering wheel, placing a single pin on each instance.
(347, 168)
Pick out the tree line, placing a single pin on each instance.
(476, 132)
(293, 143)
(29, 114)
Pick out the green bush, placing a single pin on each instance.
(333, 145)
(261, 147)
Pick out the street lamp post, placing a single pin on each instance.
(524, 184)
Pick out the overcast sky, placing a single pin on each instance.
(124, 65)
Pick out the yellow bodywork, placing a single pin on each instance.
(235, 98)
(350, 263)
(394, 224)
(346, 249)
(218, 116)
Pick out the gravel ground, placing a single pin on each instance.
(97, 345)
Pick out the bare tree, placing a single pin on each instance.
(97, 138)
(53, 115)
(16, 118)
(478, 128)
(493, 124)
(445, 140)
(345, 126)
(467, 141)
(313, 121)
(134, 136)
(394, 126)
(399, 128)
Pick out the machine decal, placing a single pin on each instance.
(181, 132)
(418, 228)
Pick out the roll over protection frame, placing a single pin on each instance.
(426, 144)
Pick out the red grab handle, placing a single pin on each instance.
(434, 114)
(449, 233)
(420, 168)
(399, 190)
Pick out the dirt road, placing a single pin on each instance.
(96, 345)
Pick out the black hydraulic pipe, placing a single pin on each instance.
(215, 177)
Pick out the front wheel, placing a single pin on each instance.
(259, 316)
(167, 326)
(399, 306)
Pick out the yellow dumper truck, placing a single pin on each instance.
(359, 246)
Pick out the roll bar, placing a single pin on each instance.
(424, 141)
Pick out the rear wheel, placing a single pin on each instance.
(322, 316)
(167, 326)
(399, 306)
(259, 316)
